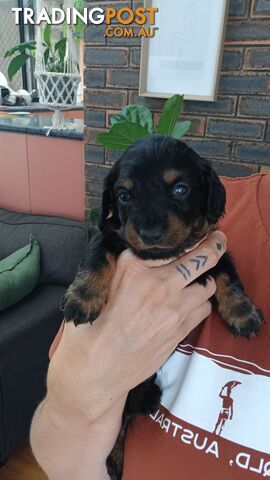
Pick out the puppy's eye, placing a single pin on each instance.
(124, 197)
(180, 190)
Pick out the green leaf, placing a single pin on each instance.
(17, 63)
(80, 26)
(31, 45)
(170, 114)
(60, 48)
(46, 55)
(47, 34)
(117, 119)
(137, 114)
(180, 129)
(122, 135)
(79, 4)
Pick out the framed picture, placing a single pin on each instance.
(185, 54)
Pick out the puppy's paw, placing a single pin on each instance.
(114, 468)
(241, 315)
(73, 311)
(84, 299)
(245, 319)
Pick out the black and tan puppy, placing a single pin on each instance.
(159, 200)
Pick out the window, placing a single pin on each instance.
(12, 35)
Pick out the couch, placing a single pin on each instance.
(28, 328)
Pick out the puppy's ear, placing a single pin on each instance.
(109, 211)
(216, 194)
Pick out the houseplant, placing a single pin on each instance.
(54, 51)
(136, 121)
(53, 55)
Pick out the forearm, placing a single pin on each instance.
(94, 367)
(67, 449)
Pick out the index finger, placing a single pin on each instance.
(198, 261)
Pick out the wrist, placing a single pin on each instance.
(67, 448)
(104, 413)
(102, 431)
(76, 396)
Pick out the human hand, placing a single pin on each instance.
(149, 311)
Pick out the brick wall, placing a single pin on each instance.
(234, 131)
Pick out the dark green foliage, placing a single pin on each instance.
(136, 121)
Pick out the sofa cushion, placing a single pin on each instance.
(19, 274)
(62, 242)
(40, 308)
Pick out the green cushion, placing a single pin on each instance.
(19, 274)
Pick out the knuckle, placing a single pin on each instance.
(122, 261)
(203, 312)
(211, 287)
(125, 257)
(128, 261)
(207, 309)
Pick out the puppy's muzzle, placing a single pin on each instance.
(151, 235)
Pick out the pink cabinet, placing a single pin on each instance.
(14, 181)
(41, 174)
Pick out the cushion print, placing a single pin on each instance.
(19, 274)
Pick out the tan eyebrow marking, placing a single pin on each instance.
(128, 184)
(170, 175)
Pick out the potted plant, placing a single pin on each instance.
(61, 87)
(136, 121)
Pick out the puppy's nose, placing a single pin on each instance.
(151, 235)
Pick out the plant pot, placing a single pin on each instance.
(57, 89)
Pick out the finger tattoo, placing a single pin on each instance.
(199, 260)
(184, 271)
(219, 246)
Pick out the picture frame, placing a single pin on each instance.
(185, 54)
